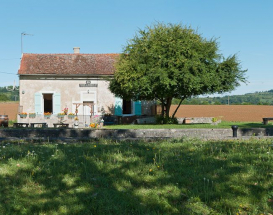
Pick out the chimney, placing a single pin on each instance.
(76, 50)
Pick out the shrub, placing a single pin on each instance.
(166, 120)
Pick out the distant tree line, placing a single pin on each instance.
(257, 98)
(6, 95)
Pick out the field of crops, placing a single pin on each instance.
(239, 113)
(10, 109)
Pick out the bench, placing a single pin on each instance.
(265, 120)
(20, 125)
(43, 124)
(63, 125)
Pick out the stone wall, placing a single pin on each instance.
(87, 134)
(196, 120)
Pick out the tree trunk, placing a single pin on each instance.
(162, 108)
(182, 99)
(168, 106)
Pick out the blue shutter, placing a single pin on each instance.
(38, 103)
(137, 108)
(118, 106)
(56, 103)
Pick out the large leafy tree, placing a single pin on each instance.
(169, 61)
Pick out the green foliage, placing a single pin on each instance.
(165, 120)
(3, 97)
(3, 90)
(11, 122)
(170, 61)
(185, 176)
(6, 95)
(214, 119)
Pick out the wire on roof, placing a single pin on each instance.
(11, 59)
(8, 73)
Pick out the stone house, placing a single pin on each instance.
(78, 83)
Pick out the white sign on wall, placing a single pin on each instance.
(88, 84)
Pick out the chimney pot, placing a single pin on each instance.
(76, 50)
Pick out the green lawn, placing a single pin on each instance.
(223, 124)
(109, 177)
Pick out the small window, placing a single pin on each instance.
(127, 107)
(48, 103)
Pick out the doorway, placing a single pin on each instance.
(127, 107)
(48, 104)
(88, 108)
(88, 112)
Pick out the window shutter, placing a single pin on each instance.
(118, 106)
(56, 103)
(137, 108)
(38, 103)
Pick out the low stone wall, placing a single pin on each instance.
(193, 120)
(196, 120)
(86, 134)
(260, 132)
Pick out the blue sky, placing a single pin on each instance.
(243, 27)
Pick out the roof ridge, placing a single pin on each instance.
(71, 54)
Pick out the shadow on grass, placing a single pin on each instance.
(255, 125)
(130, 178)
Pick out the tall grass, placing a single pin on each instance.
(109, 177)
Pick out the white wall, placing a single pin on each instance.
(70, 92)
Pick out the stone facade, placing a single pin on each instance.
(70, 94)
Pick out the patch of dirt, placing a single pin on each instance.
(239, 113)
(10, 109)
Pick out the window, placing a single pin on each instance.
(127, 107)
(48, 103)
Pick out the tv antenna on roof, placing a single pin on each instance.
(23, 34)
(13, 88)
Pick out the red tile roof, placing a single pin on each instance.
(68, 64)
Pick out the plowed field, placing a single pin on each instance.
(239, 113)
(10, 109)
